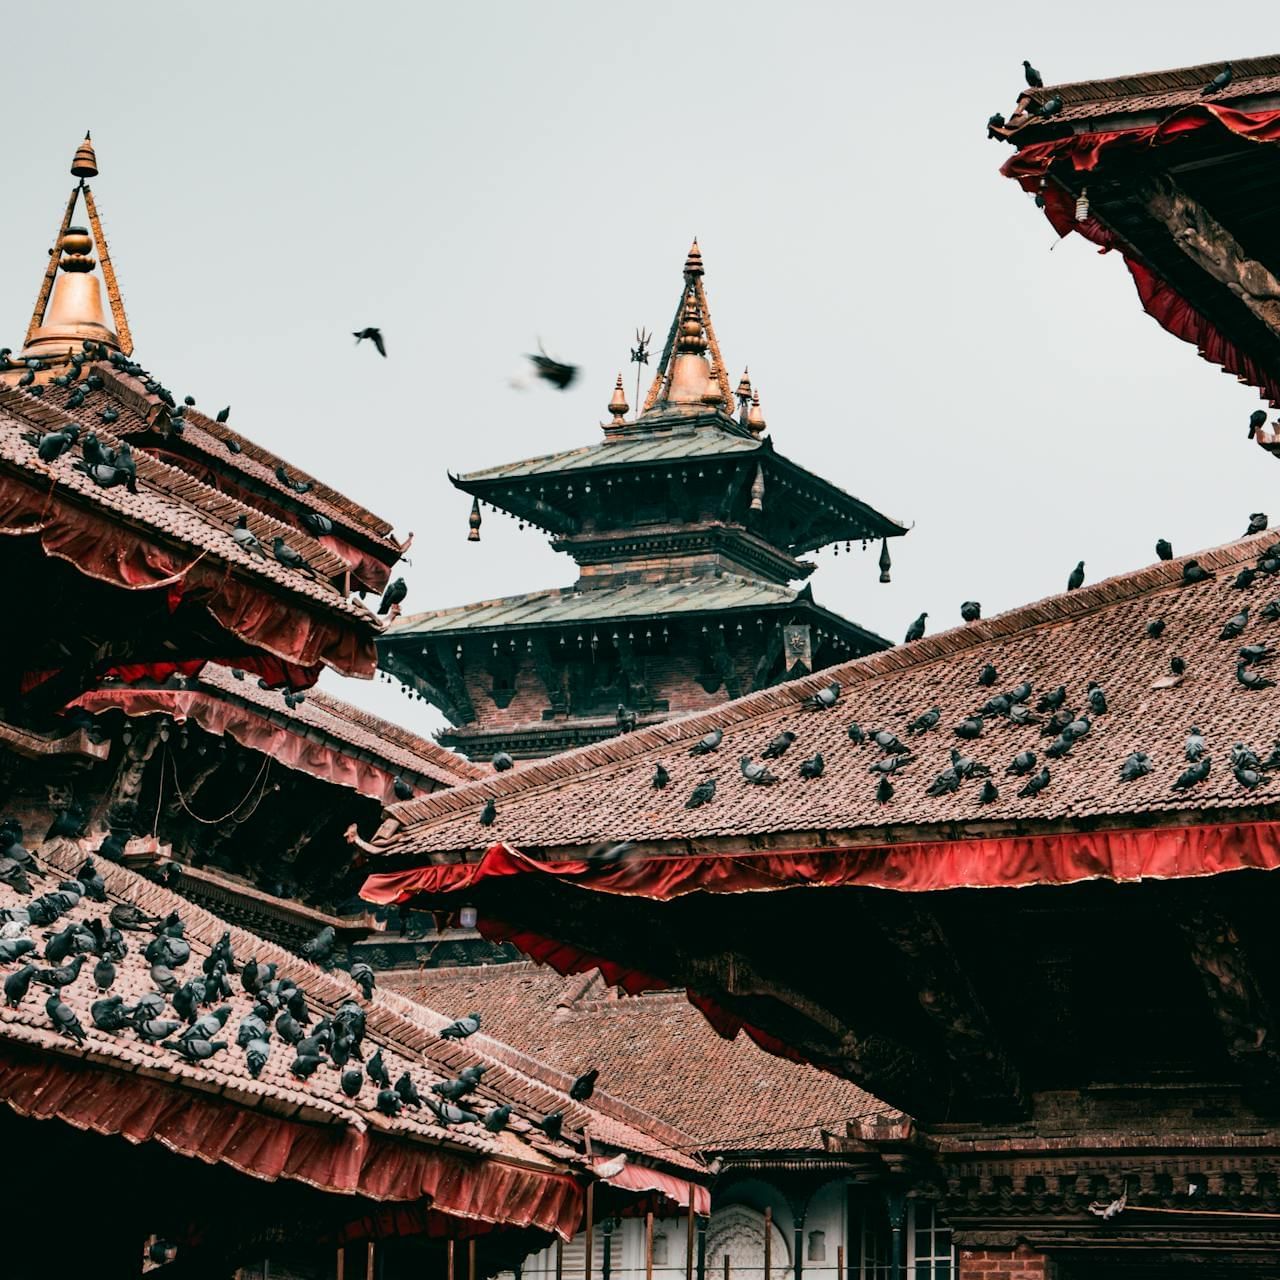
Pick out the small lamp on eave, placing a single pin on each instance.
(885, 563)
(473, 521)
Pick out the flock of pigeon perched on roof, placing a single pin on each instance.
(1062, 716)
(187, 1011)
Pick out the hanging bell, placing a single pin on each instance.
(473, 521)
(885, 563)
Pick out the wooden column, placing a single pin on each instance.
(648, 1245)
(768, 1242)
(688, 1240)
(559, 1260)
(449, 1259)
(839, 1262)
(372, 1261)
(341, 1269)
(591, 1210)
(471, 1259)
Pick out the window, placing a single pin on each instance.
(817, 1246)
(928, 1253)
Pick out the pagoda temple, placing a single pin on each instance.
(688, 529)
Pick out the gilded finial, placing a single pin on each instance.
(693, 263)
(618, 405)
(473, 521)
(692, 340)
(743, 394)
(885, 563)
(757, 490)
(755, 418)
(85, 163)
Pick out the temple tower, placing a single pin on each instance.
(688, 530)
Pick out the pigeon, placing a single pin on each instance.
(756, 773)
(317, 525)
(374, 336)
(996, 706)
(971, 611)
(1219, 82)
(1244, 579)
(856, 736)
(989, 792)
(884, 791)
(502, 762)
(361, 973)
(1020, 692)
(1257, 420)
(890, 764)
(63, 1017)
(154, 1030)
(393, 595)
(461, 1028)
(256, 1055)
(1022, 764)
(17, 984)
(1164, 548)
(447, 1113)
(823, 700)
(69, 824)
(289, 1027)
(1234, 626)
(946, 782)
(1034, 79)
(813, 767)
(149, 1005)
(702, 794)
(608, 853)
(95, 886)
(994, 122)
(923, 723)
(916, 630)
(1197, 772)
(1246, 756)
(1252, 679)
(376, 1070)
(626, 718)
(988, 676)
(1271, 612)
(970, 727)
(1177, 665)
(489, 813)
(1155, 628)
(408, 1091)
(967, 766)
(453, 1090)
(388, 1102)
(104, 975)
(889, 743)
(1022, 714)
(61, 976)
(1097, 700)
(319, 950)
(1036, 783)
(244, 538)
(51, 445)
(584, 1086)
(352, 1082)
(1256, 652)
(496, 1120)
(1050, 106)
(109, 1014)
(1076, 580)
(559, 375)
(660, 778)
(287, 556)
(401, 789)
(552, 1125)
(198, 1050)
(1135, 765)
(778, 746)
(704, 746)
(1193, 572)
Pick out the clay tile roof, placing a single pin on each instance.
(172, 504)
(657, 1051)
(1158, 91)
(322, 713)
(602, 792)
(407, 1043)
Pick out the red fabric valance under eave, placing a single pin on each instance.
(1083, 152)
(1124, 855)
(114, 552)
(332, 1158)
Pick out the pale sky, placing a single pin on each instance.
(474, 177)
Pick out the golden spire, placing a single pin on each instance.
(755, 419)
(473, 521)
(618, 405)
(684, 379)
(68, 310)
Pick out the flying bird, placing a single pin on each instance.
(1219, 82)
(374, 336)
(608, 853)
(1164, 548)
(1076, 580)
(559, 375)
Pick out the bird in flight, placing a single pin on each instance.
(374, 336)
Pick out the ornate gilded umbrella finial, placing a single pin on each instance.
(618, 405)
(473, 521)
(755, 418)
(743, 394)
(693, 263)
(85, 162)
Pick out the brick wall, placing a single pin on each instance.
(1021, 1263)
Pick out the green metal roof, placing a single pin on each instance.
(569, 606)
(664, 446)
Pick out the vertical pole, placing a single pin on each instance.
(799, 1249)
(648, 1245)
(342, 1261)
(372, 1259)
(726, 1267)
(768, 1242)
(688, 1239)
(591, 1210)
(896, 1203)
(471, 1259)
(702, 1249)
(839, 1262)
(449, 1251)
(559, 1260)
(606, 1263)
